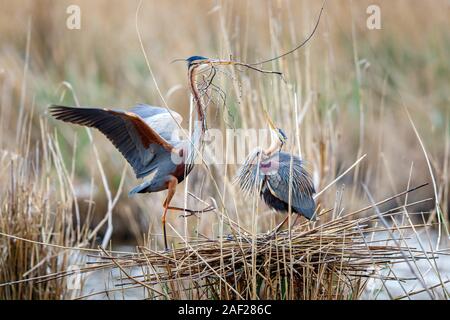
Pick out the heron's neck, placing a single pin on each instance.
(199, 125)
(274, 145)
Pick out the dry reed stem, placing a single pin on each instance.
(331, 260)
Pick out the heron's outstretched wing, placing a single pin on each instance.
(302, 188)
(138, 142)
(165, 122)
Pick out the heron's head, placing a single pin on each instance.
(281, 136)
(196, 60)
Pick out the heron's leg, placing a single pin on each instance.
(281, 224)
(277, 228)
(171, 186)
(295, 221)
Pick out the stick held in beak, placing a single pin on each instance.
(219, 62)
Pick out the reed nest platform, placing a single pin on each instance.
(332, 260)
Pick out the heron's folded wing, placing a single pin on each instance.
(302, 188)
(130, 134)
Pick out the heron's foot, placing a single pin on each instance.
(275, 232)
(272, 234)
(189, 212)
(166, 250)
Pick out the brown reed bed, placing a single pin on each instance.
(36, 204)
(334, 259)
(338, 257)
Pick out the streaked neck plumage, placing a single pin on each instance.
(275, 144)
(199, 124)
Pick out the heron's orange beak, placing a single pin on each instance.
(210, 62)
(218, 62)
(224, 62)
(274, 128)
(269, 121)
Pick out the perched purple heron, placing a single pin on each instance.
(279, 177)
(144, 136)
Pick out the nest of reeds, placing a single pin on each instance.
(330, 260)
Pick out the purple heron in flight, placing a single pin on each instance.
(144, 136)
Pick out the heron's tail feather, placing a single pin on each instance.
(142, 188)
(307, 208)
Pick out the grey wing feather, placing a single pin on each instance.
(121, 132)
(302, 187)
(147, 111)
(166, 123)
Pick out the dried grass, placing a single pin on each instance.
(46, 227)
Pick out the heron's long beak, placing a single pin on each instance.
(276, 143)
(278, 140)
(177, 60)
(269, 121)
(222, 62)
(211, 62)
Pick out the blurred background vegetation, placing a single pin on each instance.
(351, 83)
